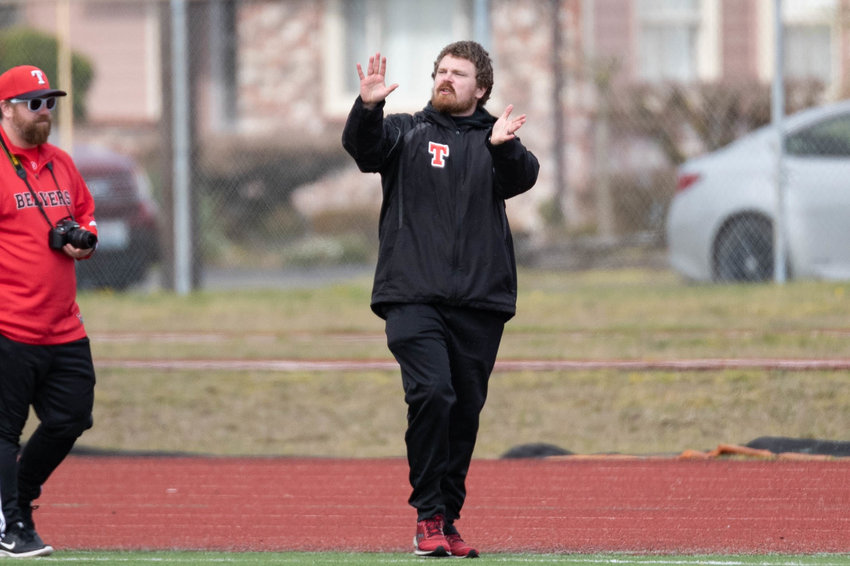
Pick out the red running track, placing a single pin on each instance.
(565, 505)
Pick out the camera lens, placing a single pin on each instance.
(82, 239)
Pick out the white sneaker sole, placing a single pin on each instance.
(45, 551)
(439, 551)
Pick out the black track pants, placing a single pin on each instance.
(58, 382)
(446, 356)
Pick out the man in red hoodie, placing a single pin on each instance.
(46, 224)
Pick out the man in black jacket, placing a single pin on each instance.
(445, 282)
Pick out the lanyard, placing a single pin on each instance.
(19, 169)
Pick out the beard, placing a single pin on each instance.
(33, 132)
(449, 103)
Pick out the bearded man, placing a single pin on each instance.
(47, 215)
(446, 280)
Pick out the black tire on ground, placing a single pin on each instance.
(743, 251)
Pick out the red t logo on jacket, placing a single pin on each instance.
(438, 152)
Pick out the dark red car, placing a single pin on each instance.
(127, 216)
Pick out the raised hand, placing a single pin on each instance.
(506, 127)
(373, 87)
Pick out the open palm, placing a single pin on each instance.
(373, 87)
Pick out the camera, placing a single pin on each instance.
(67, 231)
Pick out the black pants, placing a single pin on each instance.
(58, 382)
(446, 356)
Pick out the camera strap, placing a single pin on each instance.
(19, 169)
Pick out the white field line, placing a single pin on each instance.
(699, 364)
(578, 560)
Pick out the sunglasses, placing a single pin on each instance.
(34, 104)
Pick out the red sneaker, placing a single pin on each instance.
(429, 539)
(457, 546)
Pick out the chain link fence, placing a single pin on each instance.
(618, 93)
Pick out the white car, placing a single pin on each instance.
(721, 220)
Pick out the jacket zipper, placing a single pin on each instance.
(457, 169)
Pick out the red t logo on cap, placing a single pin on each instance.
(39, 75)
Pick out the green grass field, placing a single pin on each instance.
(342, 559)
(593, 315)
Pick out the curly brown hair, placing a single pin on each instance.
(474, 52)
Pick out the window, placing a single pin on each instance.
(830, 138)
(807, 52)
(410, 33)
(668, 34)
(808, 39)
(222, 62)
(9, 15)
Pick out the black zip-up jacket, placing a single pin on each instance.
(444, 235)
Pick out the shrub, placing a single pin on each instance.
(25, 46)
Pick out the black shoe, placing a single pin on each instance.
(27, 508)
(20, 542)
